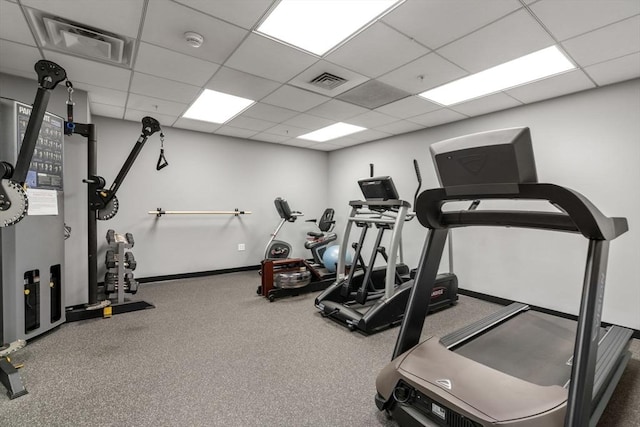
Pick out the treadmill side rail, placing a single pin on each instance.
(470, 331)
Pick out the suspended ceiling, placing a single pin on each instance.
(419, 45)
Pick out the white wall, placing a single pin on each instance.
(589, 142)
(206, 172)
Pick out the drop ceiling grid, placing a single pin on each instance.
(439, 40)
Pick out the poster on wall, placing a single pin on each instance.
(45, 170)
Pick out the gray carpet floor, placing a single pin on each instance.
(214, 353)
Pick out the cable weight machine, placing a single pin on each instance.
(19, 319)
(103, 205)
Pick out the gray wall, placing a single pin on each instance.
(207, 172)
(589, 142)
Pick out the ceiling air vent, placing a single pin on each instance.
(66, 36)
(327, 81)
(84, 41)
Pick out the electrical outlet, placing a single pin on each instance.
(241, 246)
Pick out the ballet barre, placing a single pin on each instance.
(159, 212)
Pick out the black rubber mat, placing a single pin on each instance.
(532, 346)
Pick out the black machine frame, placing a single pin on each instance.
(371, 312)
(594, 374)
(103, 199)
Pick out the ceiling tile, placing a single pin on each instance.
(368, 135)
(23, 59)
(424, 73)
(106, 110)
(552, 87)
(610, 42)
(376, 51)
(269, 137)
(308, 121)
(90, 72)
(136, 116)
(437, 117)
(155, 105)
(401, 126)
(371, 119)
(303, 80)
(511, 37)
(616, 70)
(237, 132)
(442, 21)
(249, 123)
(325, 146)
(156, 87)
(337, 110)
(243, 13)
(373, 94)
(269, 59)
(486, 104)
(166, 22)
(241, 84)
(160, 62)
(302, 143)
(345, 141)
(270, 113)
(197, 125)
(569, 18)
(13, 26)
(103, 95)
(294, 99)
(117, 16)
(287, 130)
(408, 107)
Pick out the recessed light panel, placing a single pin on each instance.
(526, 69)
(216, 107)
(318, 25)
(332, 132)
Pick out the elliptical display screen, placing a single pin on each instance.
(378, 188)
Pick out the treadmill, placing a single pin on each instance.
(517, 367)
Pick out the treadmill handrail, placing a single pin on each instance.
(580, 215)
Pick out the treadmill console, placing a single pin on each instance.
(502, 156)
(378, 188)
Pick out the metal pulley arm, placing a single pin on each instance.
(49, 75)
(13, 197)
(149, 127)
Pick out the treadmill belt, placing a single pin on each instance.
(532, 346)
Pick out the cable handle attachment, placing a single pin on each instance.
(162, 161)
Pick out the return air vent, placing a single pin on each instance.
(327, 81)
(66, 36)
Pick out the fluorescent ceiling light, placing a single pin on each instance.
(318, 25)
(535, 66)
(332, 132)
(216, 107)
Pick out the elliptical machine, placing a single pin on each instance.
(354, 300)
(278, 249)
